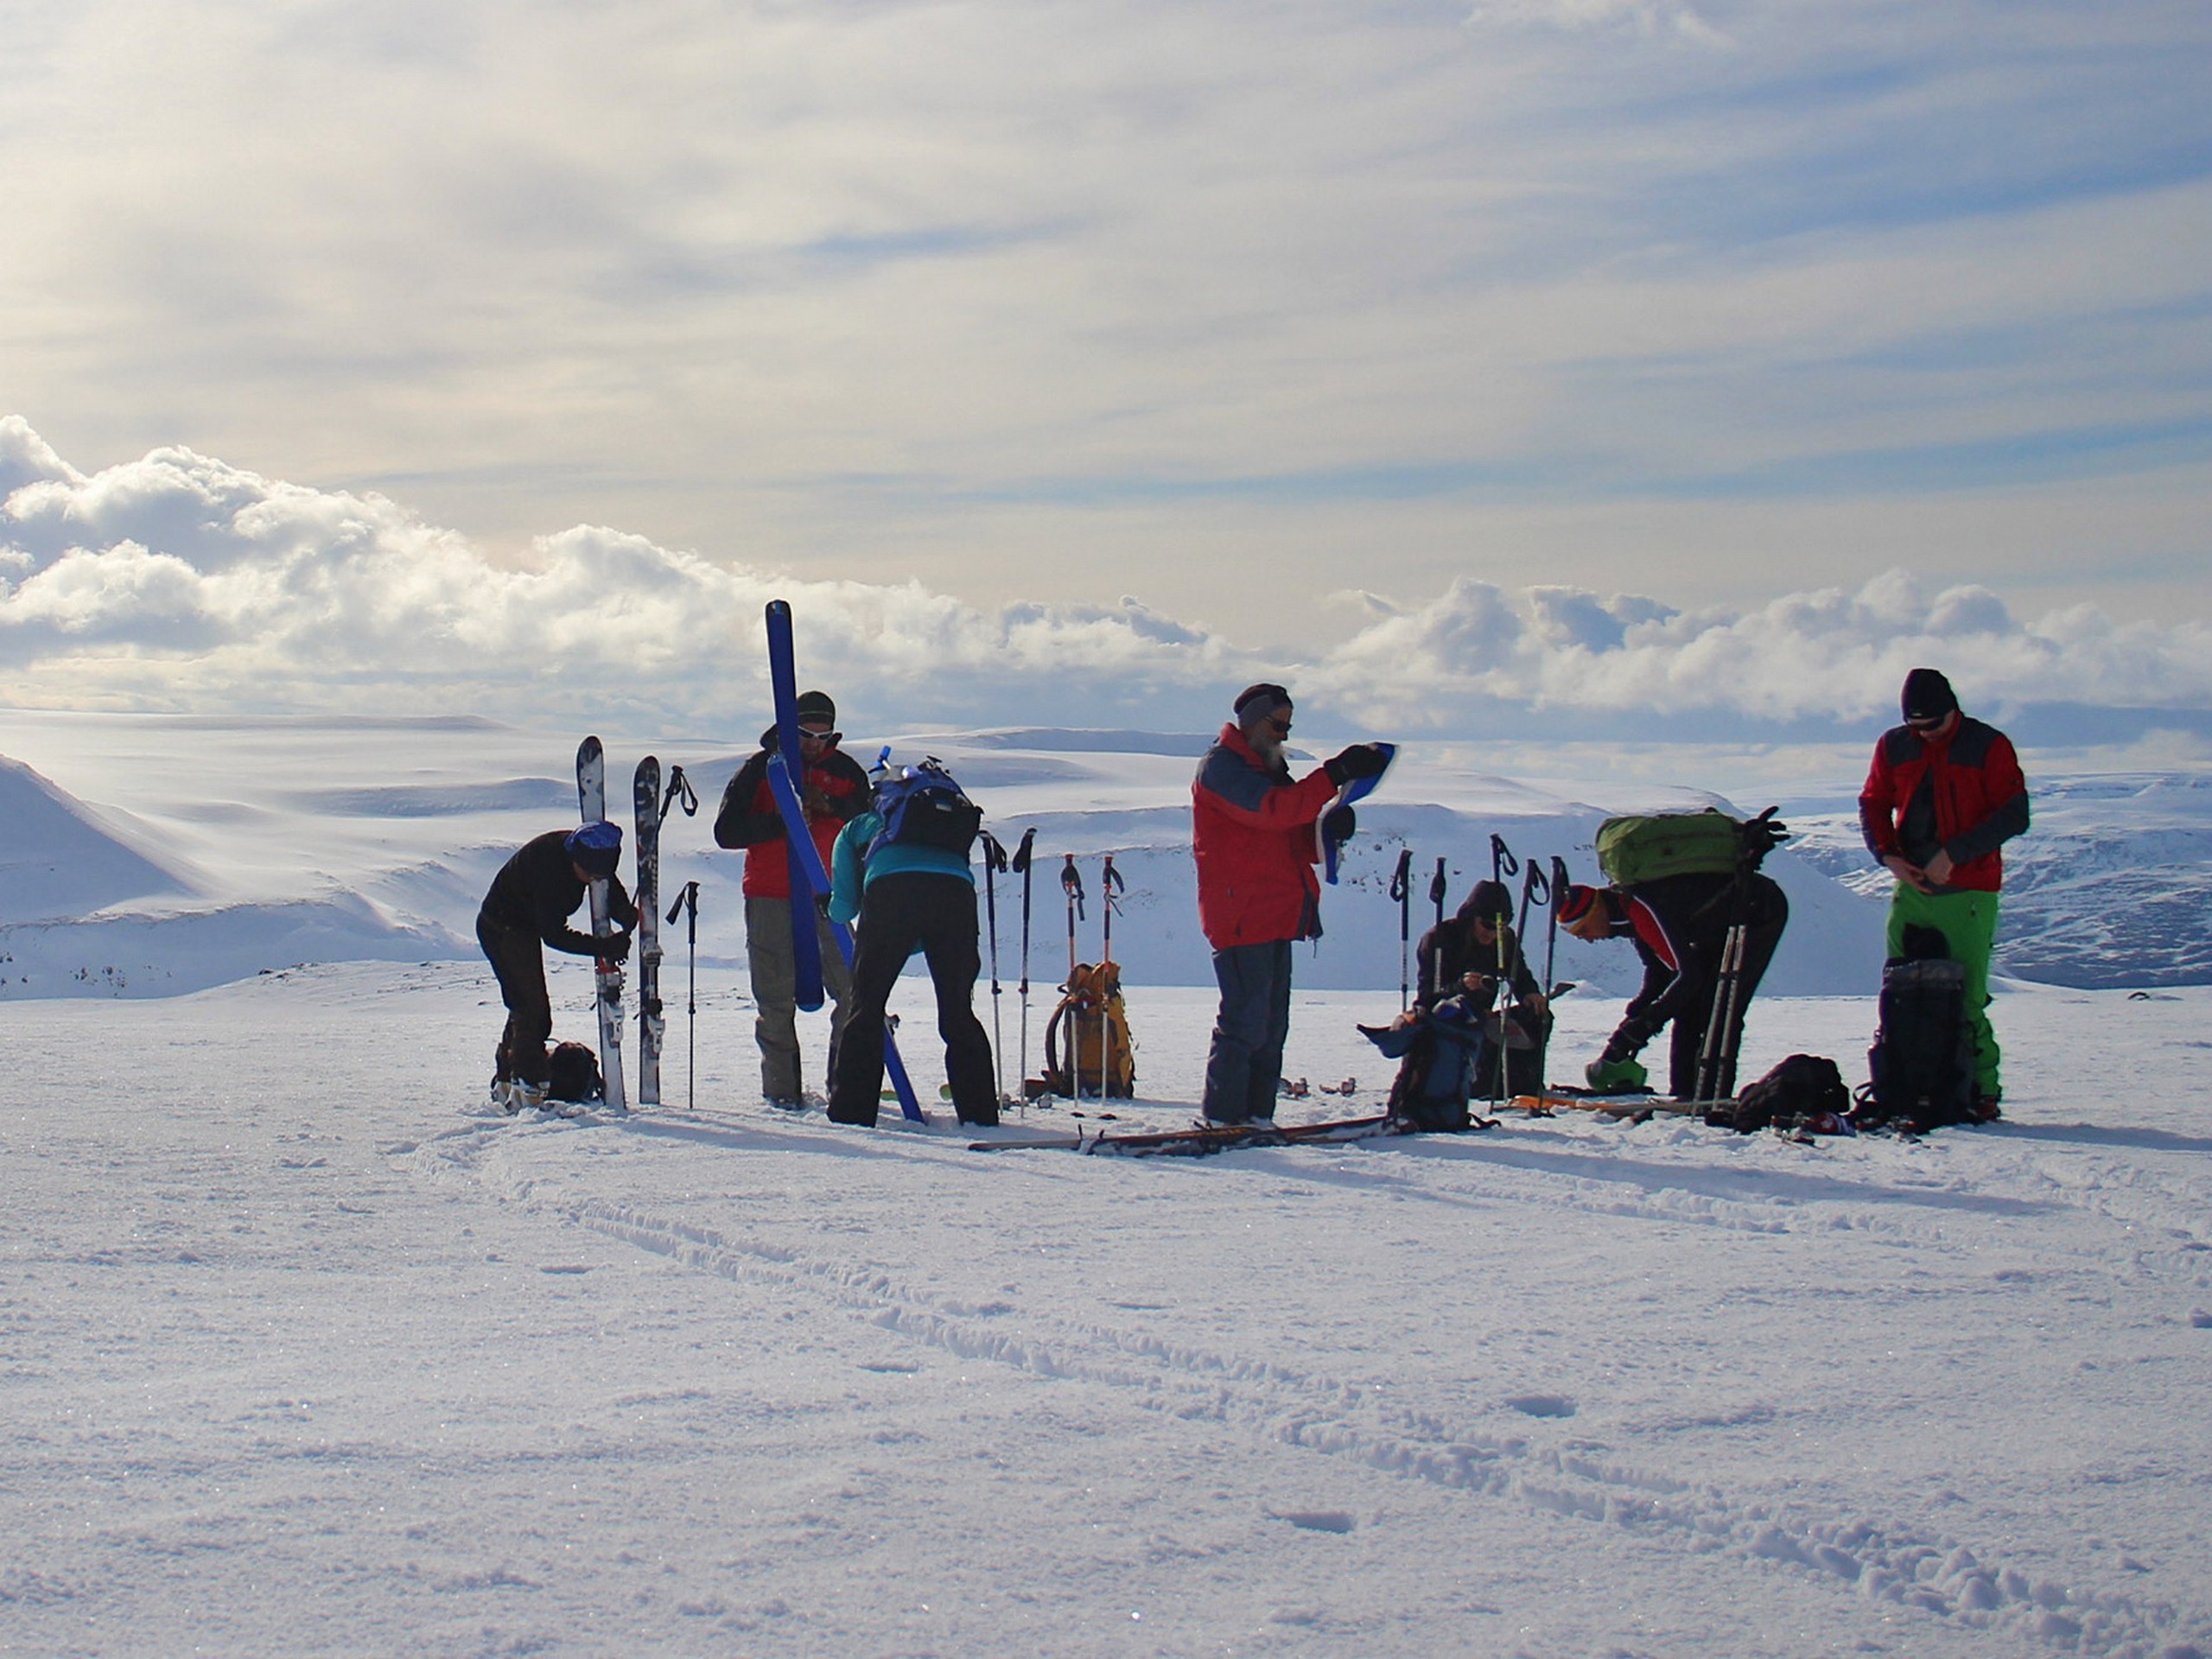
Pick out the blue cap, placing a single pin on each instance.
(597, 848)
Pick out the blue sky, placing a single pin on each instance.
(1237, 309)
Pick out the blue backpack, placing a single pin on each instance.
(923, 806)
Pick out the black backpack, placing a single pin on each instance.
(1436, 1056)
(923, 806)
(1920, 1068)
(573, 1075)
(1805, 1092)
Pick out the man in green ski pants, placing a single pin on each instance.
(1944, 793)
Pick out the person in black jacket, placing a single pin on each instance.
(1459, 957)
(527, 908)
(1679, 926)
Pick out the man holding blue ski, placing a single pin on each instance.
(833, 792)
(1257, 834)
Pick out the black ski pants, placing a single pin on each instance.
(900, 913)
(1768, 915)
(518, 960)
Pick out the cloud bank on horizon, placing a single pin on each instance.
(179, 582)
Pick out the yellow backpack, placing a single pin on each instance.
(1100, 1054)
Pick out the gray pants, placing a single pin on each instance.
(1245, 1064)
(775, 1025)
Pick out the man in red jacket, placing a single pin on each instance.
(1944, 794)
(1254, 835)
(833, 792)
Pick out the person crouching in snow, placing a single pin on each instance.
(528, 908)
(1679, 925)
(1461, 958)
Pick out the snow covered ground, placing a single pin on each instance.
(306, 1354)
(305, 1351)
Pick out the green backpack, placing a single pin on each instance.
(1634, 850)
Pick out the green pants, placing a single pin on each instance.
(1967, 922)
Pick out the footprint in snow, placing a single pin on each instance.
(1542, 1405)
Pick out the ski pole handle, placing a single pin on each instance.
(1502, 862)
(687, 899)
(1072, 885)
(679, 790)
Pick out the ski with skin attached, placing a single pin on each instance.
(652, 1023)
(607, 975)
(1203, 1143)
(810, 880)
(1632, 1107)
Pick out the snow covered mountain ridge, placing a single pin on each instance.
(151, 855)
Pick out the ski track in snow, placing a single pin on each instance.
(1972, 1589)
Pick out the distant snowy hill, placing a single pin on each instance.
(220, 849)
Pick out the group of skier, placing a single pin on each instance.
(1944, 793)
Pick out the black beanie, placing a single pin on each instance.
(1254, 701)
(1928, 695)
(817, 705)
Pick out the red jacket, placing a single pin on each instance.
(1964, 796)
(749, 817)
(1252, 834)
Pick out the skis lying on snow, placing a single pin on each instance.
(1633, 1108)
(1200, 1143)
(607, 975)
(1637, 1107)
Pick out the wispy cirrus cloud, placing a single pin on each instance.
(1123, 295)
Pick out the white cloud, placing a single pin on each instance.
(177, 581)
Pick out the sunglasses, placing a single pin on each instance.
(1282, 726)
(825, 739)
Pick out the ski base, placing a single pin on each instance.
(1226, 1137)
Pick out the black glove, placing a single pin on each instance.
(1338, 822)
(615, 947)
(1360, 760)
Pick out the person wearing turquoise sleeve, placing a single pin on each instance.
(900, 898)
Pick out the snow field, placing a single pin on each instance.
(308, 1353)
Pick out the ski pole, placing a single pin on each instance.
(1021, 864)
(678, 788)
(995, 860)
(1560, 882)
(1072, 885)
(1535, 889)
(1502, 865)
(1437, 888)
(1401, 893)
(1110, 886)
(687, 905)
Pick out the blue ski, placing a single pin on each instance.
(1357, 789)
(808, 879)
(787, 781)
